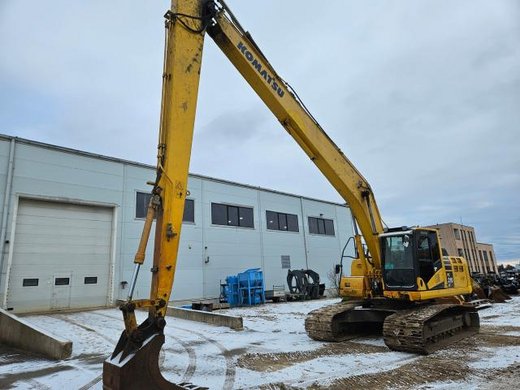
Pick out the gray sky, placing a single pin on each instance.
(423, 97)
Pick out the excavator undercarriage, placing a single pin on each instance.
(409, 327)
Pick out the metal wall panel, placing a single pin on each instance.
(324, 251)
(207, 252)
(281, 243)
(228, 250)
(60, 244)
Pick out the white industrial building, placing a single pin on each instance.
(71, 221)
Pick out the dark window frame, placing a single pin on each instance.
(141, 210)
(62, 281)
(141, 204)
(456, 233)
(277, 217)
(321, 226)
(90, 280)
(189, 207)
(30, 282)
(271, 218)
(246, 217)
(235, 216)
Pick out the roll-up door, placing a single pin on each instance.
(61, 256)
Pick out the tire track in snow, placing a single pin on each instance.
(91, 383)
(37, 385)
(192, 364)
(230, 366)
(63, 317)
(230, 373)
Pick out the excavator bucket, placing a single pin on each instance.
(138, 368)
(497, 295)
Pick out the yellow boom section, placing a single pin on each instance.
(183, 57)
(283, 102)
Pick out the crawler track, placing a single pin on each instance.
(428, 328)
(419, 329)
(324, 324)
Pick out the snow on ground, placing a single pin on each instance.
(272, 349)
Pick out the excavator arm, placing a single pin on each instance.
(240, 48)
(134, 363)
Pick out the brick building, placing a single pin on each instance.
(460, 240)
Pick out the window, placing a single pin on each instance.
(321, 226)
(427, 254)
(32, 282)
(272, 220)
(143, 199)
(141, 204)
(461, 253)
(219, 214)
(90, 279)
(398, 270)
(457, 233)
(281, 221)
(423, 247)
(189, 211)
(245, 217)
(222, 214)
(329, 227)
(61, 281)
(485, 256)
(292, 223)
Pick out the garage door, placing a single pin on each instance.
(61, 256)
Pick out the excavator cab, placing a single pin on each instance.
(409, 256)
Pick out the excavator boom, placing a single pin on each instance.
(134, 363)
(242, 51)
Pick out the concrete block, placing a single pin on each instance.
(209, 305)
(211, 318)
(23, 335)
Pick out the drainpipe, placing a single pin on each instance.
(7, 199)
(304, 235)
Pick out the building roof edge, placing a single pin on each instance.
(143, 165)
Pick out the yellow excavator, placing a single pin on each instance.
(401, 282)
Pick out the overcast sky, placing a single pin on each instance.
(423, 97)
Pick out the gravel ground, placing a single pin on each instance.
(273, 352)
